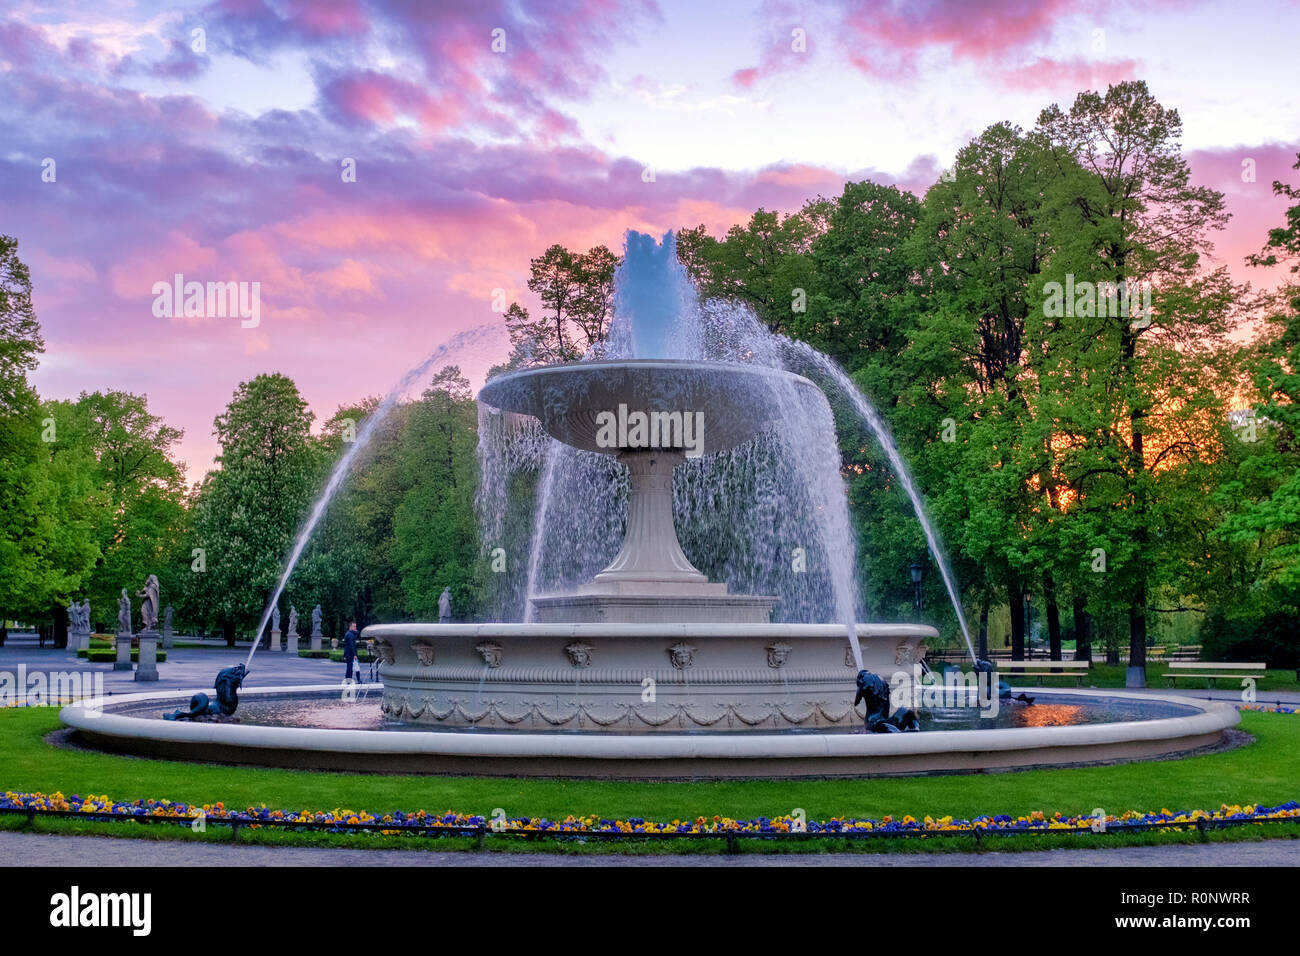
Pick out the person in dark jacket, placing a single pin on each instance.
(350, 649)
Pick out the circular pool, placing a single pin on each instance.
(341, 727)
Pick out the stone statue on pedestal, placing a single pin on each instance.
(275, 618)
(315, 621)
(149, 603)
(444, 606)
(124, 613)
(293, 621)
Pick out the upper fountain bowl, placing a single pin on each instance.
(736, 401)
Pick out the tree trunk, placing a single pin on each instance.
(228, 631)
(1016, 596)
(984, 630)
(1136, 675)
(1053, 617)
(1082, 629)
(1137, 643)
(59, 629)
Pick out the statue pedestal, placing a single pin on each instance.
(167, 637)
(148, 666)
(315, 640)
(123, 662)
(83, 640)
(275, 640)
(291, 644)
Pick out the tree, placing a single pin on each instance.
(139, 493)
(20, 333)
(577, 295)
(760, 264)
(1263, 495)
(248, 510)
(1141, 383)
(46, 544)
(865, 289)
(436, 541)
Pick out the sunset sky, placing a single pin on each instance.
(225, 163)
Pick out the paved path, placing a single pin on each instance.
(38, 849)
(185, 668)
(193, 668)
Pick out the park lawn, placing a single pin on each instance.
(1266, 771)
(1113, 675)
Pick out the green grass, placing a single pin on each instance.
(1113, 675)
(1266, 771)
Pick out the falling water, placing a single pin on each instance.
(882, 434)
(464, 341)
(738, 512)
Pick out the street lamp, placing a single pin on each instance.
(917, 569)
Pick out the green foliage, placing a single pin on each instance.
(248, 510)
(1268, 631)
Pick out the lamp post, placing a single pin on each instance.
(917, 569)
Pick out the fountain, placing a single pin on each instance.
(649, 644)
(688, 439)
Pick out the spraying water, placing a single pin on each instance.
(741, 512)
(880, 430)
(459, 343)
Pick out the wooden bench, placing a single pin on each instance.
(1229, 670)
(1076, 669)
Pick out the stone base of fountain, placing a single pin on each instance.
(634, 678)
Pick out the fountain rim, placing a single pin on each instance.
(1211, 717)
(706, 365)
(649, 757)
(694, 630)
(569, 418)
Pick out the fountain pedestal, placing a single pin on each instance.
(651, 579)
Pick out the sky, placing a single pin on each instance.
(139, 140)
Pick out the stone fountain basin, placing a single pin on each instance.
(633, 678)
(737, 400)
(658, 756)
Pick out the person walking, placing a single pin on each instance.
(350, 649)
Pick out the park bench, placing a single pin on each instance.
(1040, 669)
(1229, 670)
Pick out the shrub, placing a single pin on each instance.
(1271, 636)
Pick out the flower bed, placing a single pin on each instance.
(395, 823)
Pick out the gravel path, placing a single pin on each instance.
(38, 849)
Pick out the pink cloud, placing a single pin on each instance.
(885, 38)
(1067, 76)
